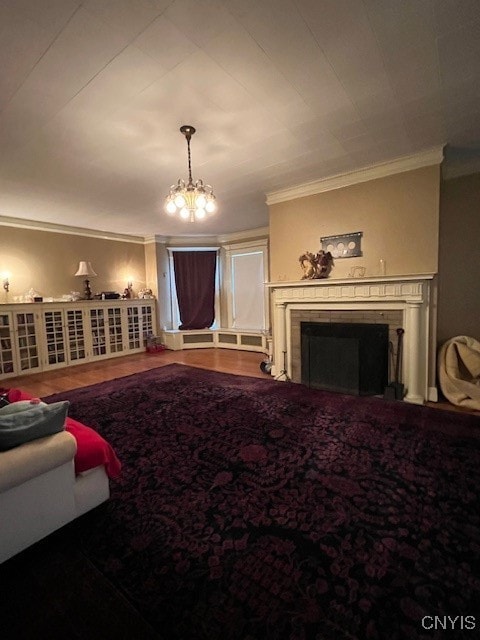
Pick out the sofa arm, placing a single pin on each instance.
(34, 458)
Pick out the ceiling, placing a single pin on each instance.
(281, 92)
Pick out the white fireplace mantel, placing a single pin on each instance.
(410, 293)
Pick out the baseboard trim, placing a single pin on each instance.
(432, 394)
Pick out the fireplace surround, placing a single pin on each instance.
(399, 301)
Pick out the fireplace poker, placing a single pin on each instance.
(395, 390)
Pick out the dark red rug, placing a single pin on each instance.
(252, 509)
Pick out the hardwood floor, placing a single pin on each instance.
(246, 363)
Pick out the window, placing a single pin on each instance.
(240, 277)
(246, 275)
(175, 313)
(248, 307)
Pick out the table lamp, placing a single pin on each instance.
(86, 269)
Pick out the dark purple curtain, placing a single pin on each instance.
(195, 282)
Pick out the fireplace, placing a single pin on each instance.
(393, 319)
(350, 358)
(397, 301)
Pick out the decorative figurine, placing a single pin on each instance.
(316, 266)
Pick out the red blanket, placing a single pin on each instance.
(92, 449)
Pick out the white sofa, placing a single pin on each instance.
(39, 491)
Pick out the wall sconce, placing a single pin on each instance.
(86, 269)
(6, 282)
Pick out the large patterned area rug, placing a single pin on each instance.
(252, 509)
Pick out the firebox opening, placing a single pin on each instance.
(345, 357)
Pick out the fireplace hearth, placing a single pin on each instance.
(346, 357)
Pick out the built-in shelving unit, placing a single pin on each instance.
(43, 336)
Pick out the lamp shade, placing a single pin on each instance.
(85, 269)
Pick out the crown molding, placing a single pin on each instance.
(371, 172)
(155, 239)
(260, 243)
(35, 225)
(182, 241)
(239, 236)
(192, 241)
(458, 169)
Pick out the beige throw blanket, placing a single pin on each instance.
(459, 371)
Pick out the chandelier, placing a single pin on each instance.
(194, 200)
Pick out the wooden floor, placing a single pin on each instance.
(246, 363)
